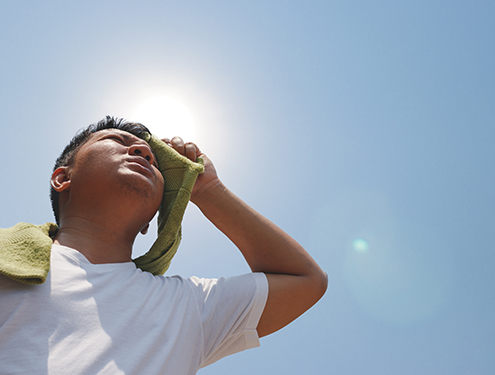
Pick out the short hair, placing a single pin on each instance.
(82, 136)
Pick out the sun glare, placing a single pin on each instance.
(166, 118)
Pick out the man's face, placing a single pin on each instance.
(114, 163)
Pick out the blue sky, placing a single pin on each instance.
(363, 128)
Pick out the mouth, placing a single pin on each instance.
(142, 165)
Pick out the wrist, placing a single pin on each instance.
(208, 193)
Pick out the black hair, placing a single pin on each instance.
(67, 156)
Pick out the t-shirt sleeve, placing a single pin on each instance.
(230, 309)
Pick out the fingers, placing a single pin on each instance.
(178, 145)
(189, 149)
(192, 151)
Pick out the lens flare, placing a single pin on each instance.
(395, 269)
(360, 245)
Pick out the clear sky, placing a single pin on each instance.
(365, 129)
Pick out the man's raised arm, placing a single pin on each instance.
(295, 281)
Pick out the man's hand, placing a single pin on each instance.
(208, 178)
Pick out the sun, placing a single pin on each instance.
(166, 118)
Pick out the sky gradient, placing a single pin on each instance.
(364, 129)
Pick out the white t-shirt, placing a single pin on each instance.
(116, 319)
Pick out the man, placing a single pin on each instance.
(97, 313)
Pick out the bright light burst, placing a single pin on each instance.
(166, 117)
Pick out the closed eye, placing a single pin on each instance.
(120, 140)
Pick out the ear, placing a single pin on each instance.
(60, 180)
(145, 229)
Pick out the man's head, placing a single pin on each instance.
(68, 156)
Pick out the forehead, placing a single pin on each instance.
(129, 138)
(126, 135)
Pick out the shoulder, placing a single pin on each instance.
(233, 294)
(247, 283)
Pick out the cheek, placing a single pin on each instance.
(97, 158)
(93, 166)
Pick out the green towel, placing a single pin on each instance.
(179, 174)
(25, 251)
(25, 248)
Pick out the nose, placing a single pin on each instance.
(143, 151)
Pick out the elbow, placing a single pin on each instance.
(321, 285)
(317, 287)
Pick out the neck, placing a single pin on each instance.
(98, 242)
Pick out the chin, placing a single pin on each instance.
(145, 193)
